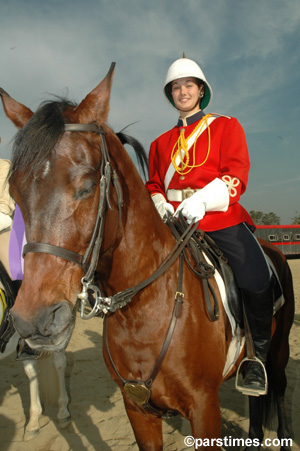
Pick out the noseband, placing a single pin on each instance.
(108, 175)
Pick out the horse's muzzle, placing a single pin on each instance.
(49, 330)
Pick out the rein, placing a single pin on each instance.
(121, 299)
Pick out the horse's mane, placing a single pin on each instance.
(139, 151)
(34, 143)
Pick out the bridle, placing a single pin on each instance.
(89, 260)
(139, 391)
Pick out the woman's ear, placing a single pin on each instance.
(201, 90)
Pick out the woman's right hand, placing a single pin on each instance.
(162, 206)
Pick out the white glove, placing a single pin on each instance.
(162, 206)
(213, 197)
(193, 209)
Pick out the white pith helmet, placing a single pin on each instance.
(184, 67)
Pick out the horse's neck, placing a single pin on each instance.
(143, 241)
(143, 244)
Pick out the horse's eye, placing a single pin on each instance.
(85, 191)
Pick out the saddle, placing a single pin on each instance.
(233, 293)
(206, 258)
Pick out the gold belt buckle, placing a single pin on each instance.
(187, 192)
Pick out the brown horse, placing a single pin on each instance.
(89, 220)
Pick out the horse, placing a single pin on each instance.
(45, 387)
(92, 226)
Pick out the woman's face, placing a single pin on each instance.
(186, 95)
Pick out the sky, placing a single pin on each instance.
(248, 50)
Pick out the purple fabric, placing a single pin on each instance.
(16, 243)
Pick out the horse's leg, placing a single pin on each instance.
(205, 418)
(279, 355)
(261, 406)
(279, 352)
(60, 363)
(256, 409)
(147, 428)
(33, 427)
(257, 406)
(283, 430)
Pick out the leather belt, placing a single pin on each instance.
(178, 195)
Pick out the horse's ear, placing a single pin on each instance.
(95, 107)
(19, 114)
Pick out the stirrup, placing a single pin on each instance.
(251, 391)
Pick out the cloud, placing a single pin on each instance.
(248, 51)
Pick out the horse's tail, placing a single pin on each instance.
(265, 406)
(279, 350)
(268, 401)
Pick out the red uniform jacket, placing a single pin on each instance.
(228, 160)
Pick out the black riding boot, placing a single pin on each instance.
(259, 309)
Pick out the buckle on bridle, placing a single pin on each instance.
(101, 304)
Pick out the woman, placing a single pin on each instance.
(200, 167)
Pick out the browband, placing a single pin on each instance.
(84, 128)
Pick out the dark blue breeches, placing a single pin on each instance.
(245, 256)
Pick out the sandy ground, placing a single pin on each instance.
(99, 421)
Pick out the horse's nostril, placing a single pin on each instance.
(48, 327)
(57, 319)
(24, 328)
(51, 321)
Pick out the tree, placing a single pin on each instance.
(296, 219)
(271, 218)
(257, 217)
(261, 218)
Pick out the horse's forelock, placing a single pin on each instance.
(35, 142)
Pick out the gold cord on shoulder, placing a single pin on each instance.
(182, 145)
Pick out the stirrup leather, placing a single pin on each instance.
(251, 391)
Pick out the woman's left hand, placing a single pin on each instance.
(193, 208)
